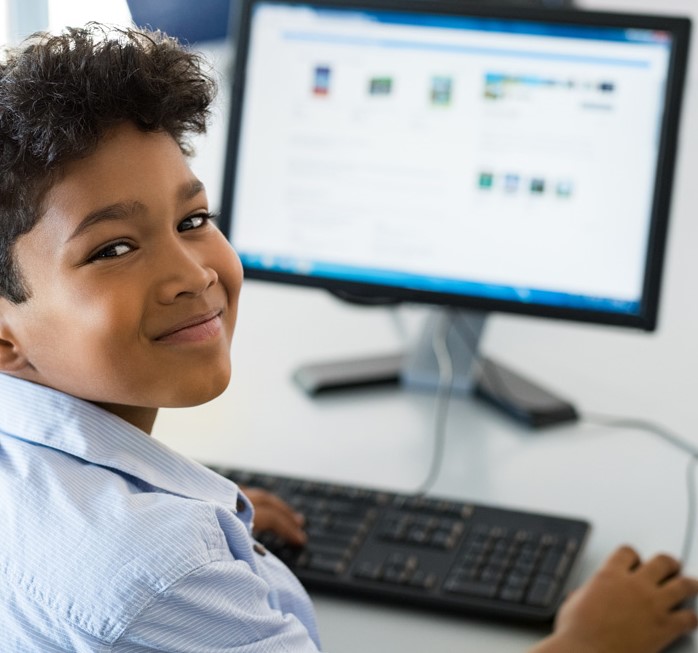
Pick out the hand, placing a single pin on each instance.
(273, 514)
(627, 607)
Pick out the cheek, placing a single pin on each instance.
(98, 353)
(86, 327)
(229, 268)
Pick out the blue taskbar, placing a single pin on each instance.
(438, 284)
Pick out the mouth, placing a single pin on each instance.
(198, 328)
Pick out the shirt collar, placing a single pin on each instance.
(50, 418)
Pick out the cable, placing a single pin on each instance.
(675, 441)
(641, 425)
(489, 373)
(439, 343)
(479, 364)
(398, 322)
(691, 520)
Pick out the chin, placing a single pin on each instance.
(195, 394)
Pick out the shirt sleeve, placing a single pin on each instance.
(220, 607)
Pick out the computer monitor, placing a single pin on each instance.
(472, 155)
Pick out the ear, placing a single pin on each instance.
(12, 359)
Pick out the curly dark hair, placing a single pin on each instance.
(58, 96)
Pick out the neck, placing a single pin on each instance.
(142, 418)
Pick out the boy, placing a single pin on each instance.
(117, 296)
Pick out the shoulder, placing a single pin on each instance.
(90, 547)
(221, 606)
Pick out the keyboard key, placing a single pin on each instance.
(500, 559)
(417, 535)
(326, 564)
(396, 575)
(347, 526)
(571, 546)
(423, 580)
(550, 539)
(555, 563)
(402, 559)
(462, 574)
(542, 591)
(517, 580)
(342, 552)
(443, 540)
(369, 570)
(476, 588)
(492, 574)
(513, 594)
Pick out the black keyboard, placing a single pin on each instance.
(429, 552)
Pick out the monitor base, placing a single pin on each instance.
(519, 397)
(317, 378)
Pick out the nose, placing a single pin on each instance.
(183, 272)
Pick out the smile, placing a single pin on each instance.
(198, 329)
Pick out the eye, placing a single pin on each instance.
(195, 221)
(114, 250)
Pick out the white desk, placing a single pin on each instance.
(630, 485)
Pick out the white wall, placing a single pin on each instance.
(19, 18)
(79, 12)
(4, 21)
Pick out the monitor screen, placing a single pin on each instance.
(483, 157)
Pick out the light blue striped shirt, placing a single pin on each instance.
(110, 541)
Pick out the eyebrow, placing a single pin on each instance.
(124, 210)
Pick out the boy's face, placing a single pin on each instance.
(133, 291)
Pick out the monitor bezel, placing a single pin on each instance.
(364, 292)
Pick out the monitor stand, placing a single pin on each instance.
(419, 368)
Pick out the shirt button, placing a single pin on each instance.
(259, 549)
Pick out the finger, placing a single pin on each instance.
(277, 504)
(660, 568)
(624, 557)
(677, 590)
(682, 622)
(285, 526)
(263, 499)
(274, 514)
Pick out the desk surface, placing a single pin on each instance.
(629, 484)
